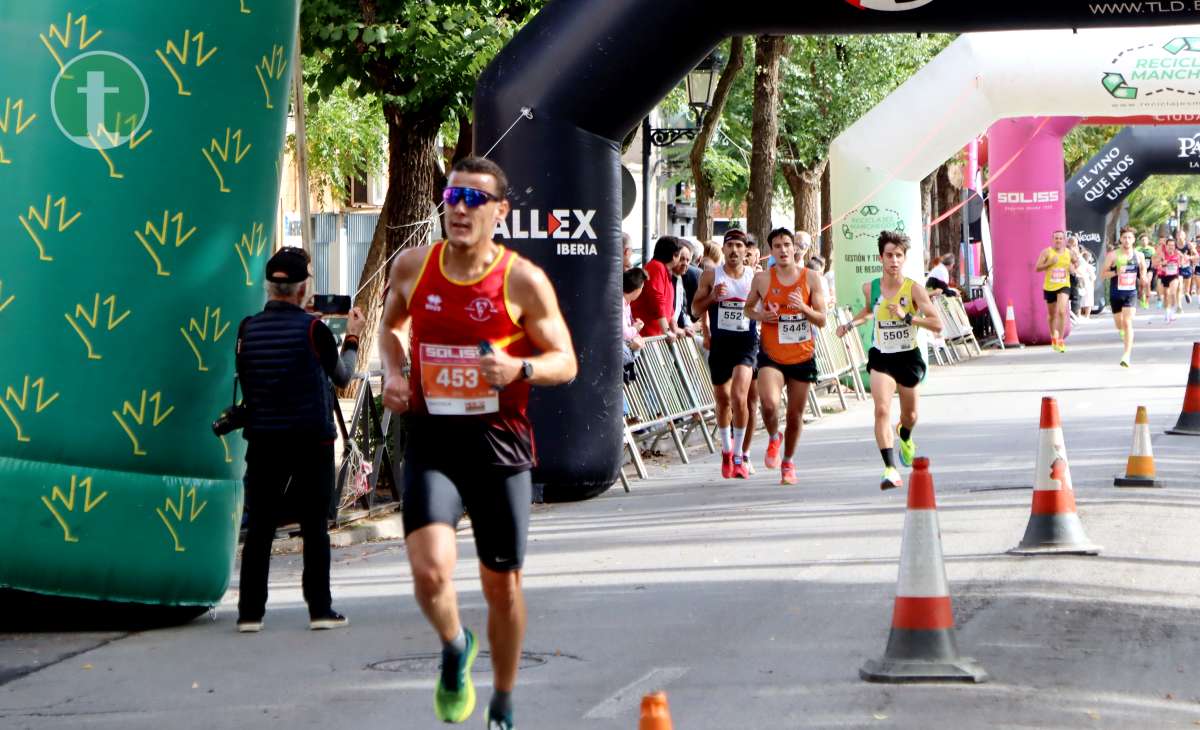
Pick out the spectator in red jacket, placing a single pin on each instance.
(656, 305)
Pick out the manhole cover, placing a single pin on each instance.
(431, 663)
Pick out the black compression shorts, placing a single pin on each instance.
(1052, 296)
(804, 372)
(1121, 299)
(725, 356)
(497, 499)
(906, 368)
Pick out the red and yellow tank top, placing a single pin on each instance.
(789, 341)
(450, 319)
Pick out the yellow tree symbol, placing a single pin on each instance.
(175, 510)
(228, 453)
(114, 139)
(21, 122)
(42, 219)
(201, 332)
(222, 151)
(5, 302)
(21, 402)
(92, 319)
(159, 233)
(271, 67)
(245, 9)
(181, 54)
(250, 248)
(63, 38)
(68, 502)
(138, 416)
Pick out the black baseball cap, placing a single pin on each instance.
(289, 265)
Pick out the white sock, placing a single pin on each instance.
(739, 437)
(726, 440)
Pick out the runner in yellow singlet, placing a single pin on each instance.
(900, 307)
(1058, 262)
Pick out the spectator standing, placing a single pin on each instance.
(656, 305)
(286, 359)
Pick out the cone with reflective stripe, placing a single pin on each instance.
(922, 646)
(1054, 526)
(1139, 469)
(1010, 327)
(1189, 419)
(655, 713)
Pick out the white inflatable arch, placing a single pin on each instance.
(980, 79)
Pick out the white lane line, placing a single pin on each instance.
(626, 699)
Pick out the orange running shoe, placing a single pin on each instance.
(787, 474)
(771, 460)
(740, 471)
(727, 464)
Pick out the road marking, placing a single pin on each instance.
(624, 700)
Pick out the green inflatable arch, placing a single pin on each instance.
(139, 175)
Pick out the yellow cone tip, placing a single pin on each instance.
(1141, 418)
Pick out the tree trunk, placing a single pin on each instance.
(826, 215)
(805, 185)
(927, 186)
(768, 50)
(413, 155)
(704, 186)
(949, 230)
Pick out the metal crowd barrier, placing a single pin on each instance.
(956, 332)
(670, 395)
(368, 478)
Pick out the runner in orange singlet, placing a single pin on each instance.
(793, 308)
(479, 314)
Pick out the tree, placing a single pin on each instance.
(420, 60)
(702, 175)
(1082, 143)
(768, 50)
(346, 136)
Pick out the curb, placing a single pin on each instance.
(386, 527)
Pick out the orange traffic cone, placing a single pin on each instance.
(1010, 327)
(921, 646)
(655, 713)
(1189, 419)
(1054, 526)
(1139, 469)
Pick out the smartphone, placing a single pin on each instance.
(332, 303)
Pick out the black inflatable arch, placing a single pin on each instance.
(589, 70)
(1118, 169)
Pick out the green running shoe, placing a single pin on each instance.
(891, 479)
(908, 449)
(500, 723)
(457, 706)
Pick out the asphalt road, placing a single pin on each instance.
(753, 605)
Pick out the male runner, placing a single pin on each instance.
(792, 306)
(753, 263)
(899, 306)
(479, 314)
(721, 297)
(1126, 268)
(1058, 262)
(1168, 262)
(1147, 250)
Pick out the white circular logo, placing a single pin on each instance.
(889, 5)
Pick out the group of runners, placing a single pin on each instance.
(1133, 270)
(762, 344)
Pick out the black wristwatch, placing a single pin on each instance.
(526, 370)
(908, 318)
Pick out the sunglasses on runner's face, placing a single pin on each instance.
(472, 197)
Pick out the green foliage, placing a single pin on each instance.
(1154, 200)
(1083, 142)
(827, 83)
(346, 135)
(421, 59)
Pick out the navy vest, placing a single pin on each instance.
(284, 386)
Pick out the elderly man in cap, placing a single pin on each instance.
(286, 360)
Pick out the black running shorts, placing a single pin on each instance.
(804, 372)
(1052, 296)
(906, 368)
(496, 498)
(1168, 279)
(725, 356)
(1121, 299)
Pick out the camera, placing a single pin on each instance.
(332, 303)
(231, 419)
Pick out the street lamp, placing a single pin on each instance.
(701, 84)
